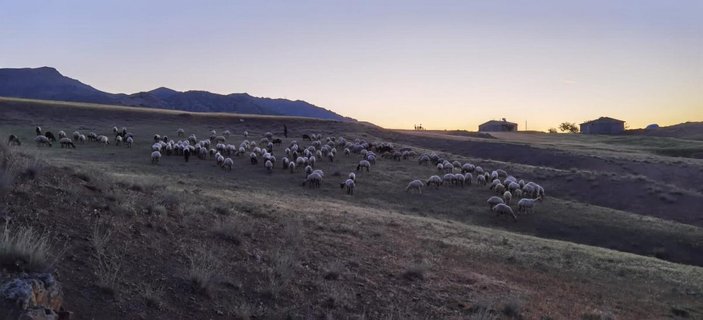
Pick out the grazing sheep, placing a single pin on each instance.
(517, 193)
(252, 158)
(269, 166)
(349, 185)
(363, 164)
(14, 141)
(468, 178)
(434, 180)
(155, 156)
(226, 133)
(118, 140)
(246, 133)
(313, 180)
(481, 180)
(526, 205)
(502, 208)
(130, 141)
(415, 185)
(352, 176)
(500, 189)
(467, 167)
(93, 136)
(62, 134)
(42, 140)
(507, 196)
(66, 143)
(81, 138)
(180, 132)
(424, 160)
(493, 201)
(227, 164)
(308, 170)
(104, 140)
(448, 178)
(76, 134)
(291, 166)
(38, 130)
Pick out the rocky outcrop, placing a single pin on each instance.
(31, 297)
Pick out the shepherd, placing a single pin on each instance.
(285, 131)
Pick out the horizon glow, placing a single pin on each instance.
(442, 64)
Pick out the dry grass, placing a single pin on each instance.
(232, 229)
(25, 249)
(204, 269)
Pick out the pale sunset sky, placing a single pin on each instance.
(445, 64)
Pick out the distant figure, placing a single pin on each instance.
(285, 131)
(38, 130)
(186, 153)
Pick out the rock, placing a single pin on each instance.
(31, 297)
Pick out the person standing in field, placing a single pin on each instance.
(285, 131)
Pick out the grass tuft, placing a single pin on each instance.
(23, 249)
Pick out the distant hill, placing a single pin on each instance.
(686, 130)
(49, 84)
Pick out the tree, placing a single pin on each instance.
(570, 127)
(552, 130)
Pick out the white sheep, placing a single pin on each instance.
(66, 143)
(436, 180)
(269, 166)
(502, 208)
(352, 176)
(42, 140)
(291, 166)
(313, 180)
(468, 178)
(481, 179)
(130, 141)
(349, 185)
(507, 196)
(526, 205)
(155, 156)
(180, 132)
(493, 201)
(415, 185)
(363, 164)
(227, 164)
(104, 140)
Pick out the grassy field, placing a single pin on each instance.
(618, 236)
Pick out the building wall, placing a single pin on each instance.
(603, 128)
(495, 127)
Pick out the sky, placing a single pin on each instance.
(442, 64)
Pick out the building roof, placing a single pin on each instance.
(607, 119)
(497, 122)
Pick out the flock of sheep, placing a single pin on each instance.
(457, 174)
(301, 156)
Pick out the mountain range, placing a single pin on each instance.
(49, 84)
